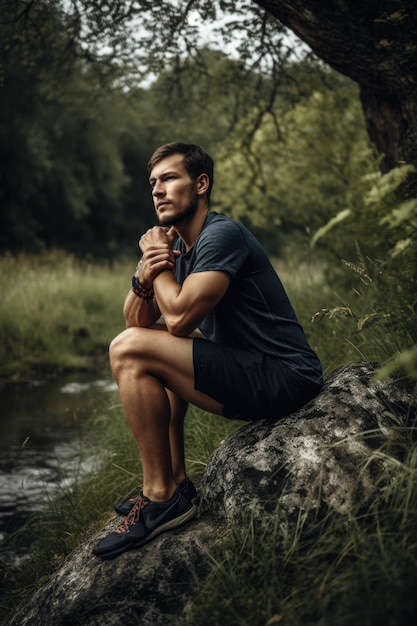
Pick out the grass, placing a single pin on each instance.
(58, 312)
(353, 311)
(338, 570)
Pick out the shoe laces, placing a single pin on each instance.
(134, 514)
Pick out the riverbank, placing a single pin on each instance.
(99, 467)
(47, 442)
(40, 375)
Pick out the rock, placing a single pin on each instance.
(323, 457)
(139, 587)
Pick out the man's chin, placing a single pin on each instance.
(179, 218)
(172, 221)
(166, 221)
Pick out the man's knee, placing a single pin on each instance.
(130, 347)
(122, 347)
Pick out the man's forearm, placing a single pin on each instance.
(173, 307)
(158, 257)
(140, 312)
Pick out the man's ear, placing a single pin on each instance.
(203, 183)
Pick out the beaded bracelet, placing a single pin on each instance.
(140, 291)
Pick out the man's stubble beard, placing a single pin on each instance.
(178, 219)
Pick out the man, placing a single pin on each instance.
(205, 272)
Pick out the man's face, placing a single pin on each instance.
(174, 192)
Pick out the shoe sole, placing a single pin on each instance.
(171, 525)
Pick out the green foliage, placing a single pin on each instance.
(369, 316)
(382, 302)
(385, 208)
(306, 163)
(141, 39)
(57, 312)
(397, 214)
(205, 112)
(288, 135)
(65, 165)
(74, 168)
(324, 230)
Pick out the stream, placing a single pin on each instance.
(44, 446)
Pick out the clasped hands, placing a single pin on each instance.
(158, 255)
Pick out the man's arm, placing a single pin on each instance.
(156, 258)
(140, 312)
(184, 307)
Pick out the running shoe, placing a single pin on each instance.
(146, 520)
(186, 486)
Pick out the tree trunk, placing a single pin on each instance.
(391, 121)
(374, 42)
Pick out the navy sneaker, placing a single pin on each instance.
(146, 521)
(186, 486)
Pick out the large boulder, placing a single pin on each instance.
(332, 454)
(325, 456)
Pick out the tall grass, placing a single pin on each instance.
(56, 311)
(353, 310)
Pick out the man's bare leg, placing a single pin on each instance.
(145, 364)
(178, 409)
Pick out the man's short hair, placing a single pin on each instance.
(196, 160)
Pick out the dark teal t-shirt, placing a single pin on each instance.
(255, 312)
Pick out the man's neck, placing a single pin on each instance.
(190, 229)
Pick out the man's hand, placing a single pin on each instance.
(158, 256)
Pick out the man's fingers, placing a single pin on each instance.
(172, 235)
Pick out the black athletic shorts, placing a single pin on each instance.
(248, 384)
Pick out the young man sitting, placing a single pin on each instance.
(230, 343)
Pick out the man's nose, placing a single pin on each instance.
(158, 189)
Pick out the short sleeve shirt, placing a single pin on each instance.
(255, 312)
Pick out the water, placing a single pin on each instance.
(44, 446)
